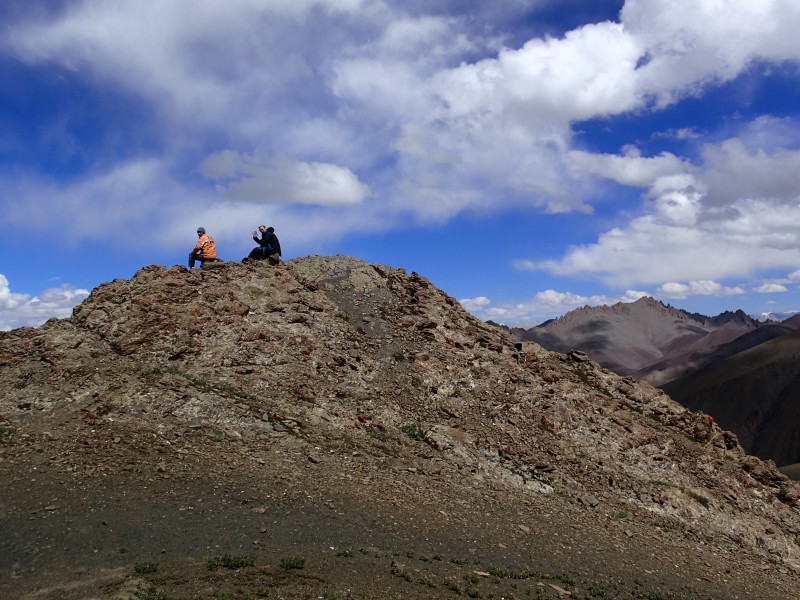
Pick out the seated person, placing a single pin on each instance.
(268, 246)
(204, 250)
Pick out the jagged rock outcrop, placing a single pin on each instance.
(336, 353)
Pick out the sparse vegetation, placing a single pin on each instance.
(526, 573)
(567, 580)
(398, 571)
(292, 562)
(497, 572)
(597, 590)
(345, 552)
(413, 431)
(151, 593)
(230, 561)
(142, 568)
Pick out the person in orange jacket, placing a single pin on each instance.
(204, 250)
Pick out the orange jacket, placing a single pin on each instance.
(205, 247)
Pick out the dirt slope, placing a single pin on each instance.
(330, 428)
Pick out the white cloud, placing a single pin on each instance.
(770, 288)
(283, 181)
(684, 133)
(693, 43)
(22, 310)
(732, 170)
(631, 168)
(729, 217)
(544, 305)
(378, 111)
(680, 291)
(474, 304)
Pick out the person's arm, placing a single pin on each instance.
(198, 247)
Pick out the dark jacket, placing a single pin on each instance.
(269, 241)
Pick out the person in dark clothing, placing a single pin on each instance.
(269, 247)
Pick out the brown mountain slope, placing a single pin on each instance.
(718, 344)
(354, 421)
(645, 338)
(755, 393)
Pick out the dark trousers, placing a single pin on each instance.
(262, 253)
(197, 257)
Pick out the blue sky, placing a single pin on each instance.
(528, 156)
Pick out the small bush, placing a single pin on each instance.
(142, 568)
(151, 593)
(346, 552)
(498, 572)
(565, 579)
(413, 431)
(526, 573)
(292, 562)
(230, 561)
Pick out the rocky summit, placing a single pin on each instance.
(328, 428)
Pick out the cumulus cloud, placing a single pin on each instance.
(691, 44)
(24, 310)
(283, 181)
(421, 105)
(474, 304)
(728, 217)
(630, 168)
(544, 305)
(681, 291)
(770, 288)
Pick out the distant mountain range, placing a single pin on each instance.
(742, 371)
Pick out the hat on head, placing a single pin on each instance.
(201, 230)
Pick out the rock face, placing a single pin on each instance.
(323, 350)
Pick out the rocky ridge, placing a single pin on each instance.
(340, 365)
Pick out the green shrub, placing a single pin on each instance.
(230, 561)
(292, 562)
(143, 568)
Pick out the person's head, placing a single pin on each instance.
(262, 228)
(270, 229)
(201, 230)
